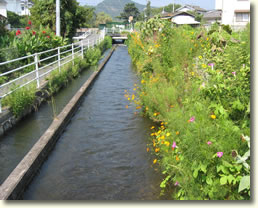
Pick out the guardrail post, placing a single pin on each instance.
(73, 53)
(88, 43)
(82, 48)
(59, 62)
(0, 104)
(37, 69)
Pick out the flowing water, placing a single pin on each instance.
(102, 153)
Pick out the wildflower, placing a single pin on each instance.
(18, 32)
(209, 142)
(234, 73)
(213, 116)
(167, 143)
(162, 137)
(157, 149)
(174, 145)
(128, 99)
(168, 134)
(204, 66)
(200, 57)
(48, 36)
(192, 119)
(146, 108)
(171, 106)
(192, 73)
(43, 31)
(154, 161)
(176, 183)
(27, 28)
(219, 154)
(152, 134)
(207, 38)
(133, 97)
(153, 127)
(177, 158)
(29, 22)
(148, 149)
(211, 64)
(33, 33)
(177, 133)
(134, 89)
(138, 107)
(155, 114)
(143, 81)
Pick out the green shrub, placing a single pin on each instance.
(20, 100)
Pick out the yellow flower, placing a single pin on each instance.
(133, 97)
(213, 116)
(138, 107)
(167, 143)
(155, 114)
(204, 66)
(128, 98)
(143, 81)
(162, 137)
(177, 133)
(168, 134)
(200, 57)
(147, 108)
(166, 123)
(177, 158)
(207, 39)
(148, 149)
(192, 73)
(152, 134)
(154, 161)
(162, 123)
(134, 89)
(159, 132)
(157, 149)
(153, 127)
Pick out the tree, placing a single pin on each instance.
(72, 15)
(130, 10)
(102, 18)
(15, 20)
(148, 10)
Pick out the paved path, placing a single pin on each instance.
(30, 76)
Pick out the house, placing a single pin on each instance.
(25, 7)
(191, 8)
(14, 6)
(211, 17)
(3, 10)
(235, 13)
(184, 18)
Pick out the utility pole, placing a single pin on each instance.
(57, 17)
(173, 6)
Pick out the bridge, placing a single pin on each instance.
(117, 34)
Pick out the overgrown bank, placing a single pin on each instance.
(196, 86)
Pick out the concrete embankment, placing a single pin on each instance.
(15, 184)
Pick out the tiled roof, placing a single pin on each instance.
(214, 14)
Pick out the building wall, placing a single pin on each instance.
(14, 6)
(230, 12)
(182, 19)
(3, 10)
(25, 7)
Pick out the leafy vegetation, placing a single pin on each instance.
(199, 94)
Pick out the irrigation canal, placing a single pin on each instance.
(102, 153)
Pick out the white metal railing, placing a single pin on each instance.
(116, 30)
(61, 55)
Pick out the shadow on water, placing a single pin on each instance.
(102, 154)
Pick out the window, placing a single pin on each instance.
(242, 17)
(22, 8)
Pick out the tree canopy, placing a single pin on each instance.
(102, 18)
(72, 15)
(129, 10)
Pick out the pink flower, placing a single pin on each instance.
(192, 119)
(27, 28)
(211, 64)
(176, 183)
(234, 73)
(33, 33)
(174, 145)
(209, 142)
(219, 154)
(29, 22)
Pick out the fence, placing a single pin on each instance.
(53, 59)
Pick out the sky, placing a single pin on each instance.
(206, 4)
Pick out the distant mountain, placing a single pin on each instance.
(115, 7)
